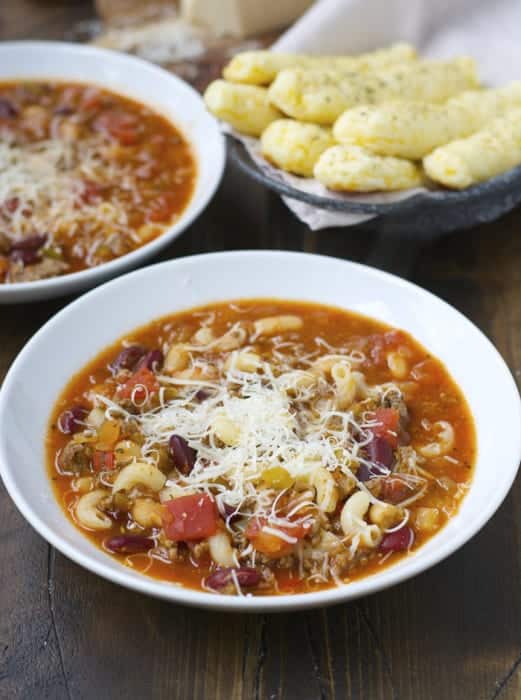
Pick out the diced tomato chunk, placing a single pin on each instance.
(190, 518)
(141, 383)
(268, 543)
(102, 461)
(123, 127)
(387, 426)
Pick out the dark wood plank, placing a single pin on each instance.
(451, 633)
(31, 663)
(41, 19)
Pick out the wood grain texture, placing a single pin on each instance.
(453, 632)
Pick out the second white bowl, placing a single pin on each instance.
(141, 81)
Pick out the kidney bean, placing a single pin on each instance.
(128, 358)
(229, 512)
(228, 509)
(30, 243)
(64, 110)
(397, 541)
(11, 205)
(184, 456)
(71, 420)
(380, 452)
(366, 472)
(246, 577)
(27, 250)
(201, 395)
(129, 544)
(153, 360)
(27, 257)
(7, 109)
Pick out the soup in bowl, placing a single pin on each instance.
(104, 160)
(258, 430)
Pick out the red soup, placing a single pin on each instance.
(262, 447)
(86, 176)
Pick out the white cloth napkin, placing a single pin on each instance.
(488, 30)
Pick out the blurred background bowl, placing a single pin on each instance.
(145, 83)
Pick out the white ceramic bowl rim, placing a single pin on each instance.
(464, 528)
(125, 62)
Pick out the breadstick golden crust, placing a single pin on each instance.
(245, 107)
(322, 96)
(261, 67)
(414, 129)
(352, 169)
(294, 146)
(479, 157)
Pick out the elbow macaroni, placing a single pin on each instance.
(273, 325)
(326, 489)
(427, 519)
(203, 336)
(345, 384)
(88, 512)
(231, 340)
(443, 444)
(370, 536)
(177, 358)
(297, 380)
(398, 365)
(352, 520)
(324, 364)
(95, 418)
(221, 550)
(243, 361)
(139, 473)
(354, 510)
(385, 515)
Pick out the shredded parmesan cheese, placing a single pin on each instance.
(47, 180)
(275, 424)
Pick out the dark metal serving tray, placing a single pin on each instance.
(426, 214)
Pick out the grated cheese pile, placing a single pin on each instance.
(47, 179)
(278, 425)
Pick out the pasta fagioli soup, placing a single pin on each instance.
(261, 447)
(86, 176)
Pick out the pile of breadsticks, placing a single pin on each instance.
(379, 121)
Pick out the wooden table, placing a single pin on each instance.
(452, 633)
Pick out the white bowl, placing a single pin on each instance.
(82, 329)
(146, 83)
